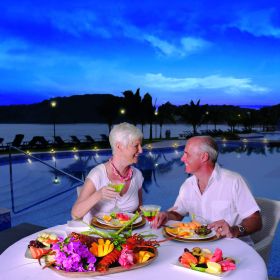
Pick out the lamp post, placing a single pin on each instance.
(239, 118)
(122, 111)
(207, 115)
(156, 114)
(53, 106)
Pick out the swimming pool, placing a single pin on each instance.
(162, 169)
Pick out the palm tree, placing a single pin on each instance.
(132, 104)
(148, 110)
(110, 109)
(193, 114)
(232, 121)
(165, 113)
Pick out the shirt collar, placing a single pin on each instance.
(215, 174)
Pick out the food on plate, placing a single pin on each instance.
(122, 217)
(143, 256)
(107, 218)
(204, 260)
(202, 230)
(42, 244)
(188, 230)
(182, 232)
(82, 252)
(47, 238)
(115, 219)
(102, 247)
(37, 253)
(213, 268)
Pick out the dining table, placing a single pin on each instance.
(249, 265)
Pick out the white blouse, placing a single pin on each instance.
(128, 202)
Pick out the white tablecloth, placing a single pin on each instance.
(13, 264)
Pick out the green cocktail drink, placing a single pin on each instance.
(118, 187)
(150, 211)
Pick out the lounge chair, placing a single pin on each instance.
(75, 140)
(89, 139)
(38, 142)
(17, 142)
(1, 142)
(104, 137)
(59, 142)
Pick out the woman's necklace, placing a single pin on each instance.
(118, 174)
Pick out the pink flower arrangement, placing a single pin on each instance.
(127, 257)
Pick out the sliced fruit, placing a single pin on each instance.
(122, 217)
(187, 258)
(37, 253)
(107, 218)
(217, 256)
(144, 256)
(47, 238)
(197, 268)
(102, 248)
(213, 268)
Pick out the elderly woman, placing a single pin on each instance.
(97, 195)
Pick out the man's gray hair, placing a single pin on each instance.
(208, 144)
(125, 133)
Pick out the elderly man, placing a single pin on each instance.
(220, 196)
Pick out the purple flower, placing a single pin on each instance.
(73, 256)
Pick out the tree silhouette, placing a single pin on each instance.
(110, 109)
(270, 117)
(193, 114)
(132, 104)
(148, 111)
(165, 113)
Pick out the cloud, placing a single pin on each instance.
(258, 23)
(230, 85)
(12, 51)
(87, 22)
(192, 44)
(186, 45)
(79, 22)
(165, 47)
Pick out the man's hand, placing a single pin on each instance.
(160, 219)
(222, 228)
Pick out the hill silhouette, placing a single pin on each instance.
(74, 109)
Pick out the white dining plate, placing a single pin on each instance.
(193, 237)
(115, 222)
(206, 274)
(77, 225)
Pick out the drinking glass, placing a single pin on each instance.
(150, 211)
(118, 186)
(200, 219)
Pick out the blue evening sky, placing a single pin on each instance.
(221, 52)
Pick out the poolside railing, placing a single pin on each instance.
(78, 181)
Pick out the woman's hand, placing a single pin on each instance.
(108, 193)
(222, 228)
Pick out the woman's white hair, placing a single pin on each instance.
(124, 133)
(207, 144)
